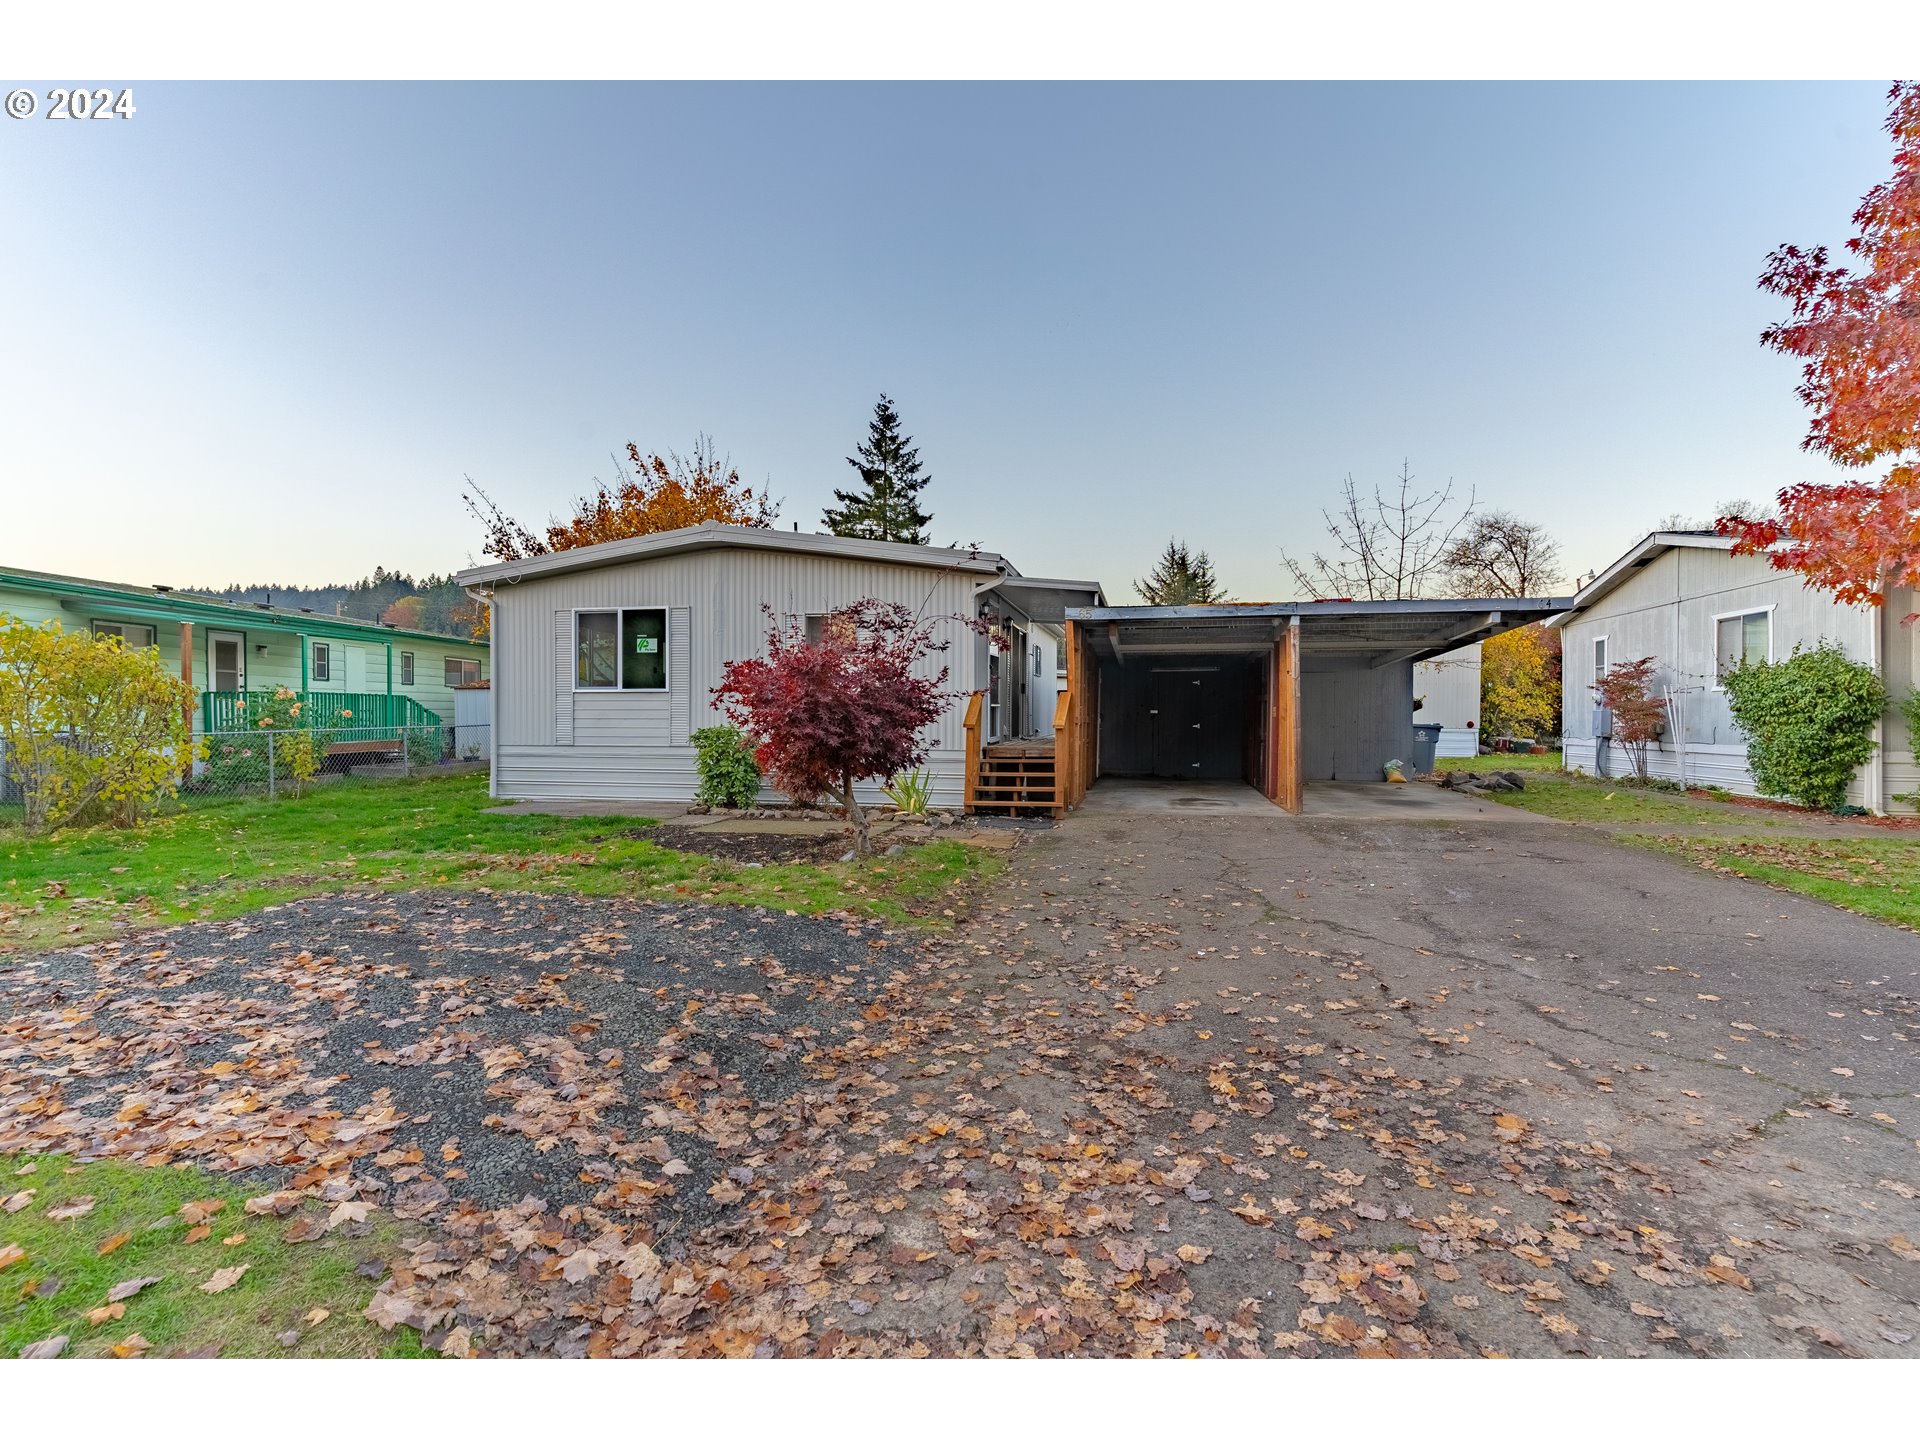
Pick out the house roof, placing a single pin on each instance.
(711, 535)
(111, 599)
(1636, 560)
(1382, 632)
(1047, 601)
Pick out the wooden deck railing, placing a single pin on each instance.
(972, 749)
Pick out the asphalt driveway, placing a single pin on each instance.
(1191, 1080)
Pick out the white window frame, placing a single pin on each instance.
(153, 632)
(1594, 652)
(1714, 623)
(406, 667)
(320, 652)
(463, 661)
(619, 687)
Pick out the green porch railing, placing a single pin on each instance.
(225, 711)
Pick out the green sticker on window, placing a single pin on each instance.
(645, 645)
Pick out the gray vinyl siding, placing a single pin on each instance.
(555, 742)
(1667, 610)
(1448, 687)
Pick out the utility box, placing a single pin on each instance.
(1602, 723)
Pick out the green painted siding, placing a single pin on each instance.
(272, 647)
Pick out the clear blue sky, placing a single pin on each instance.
(260, 332)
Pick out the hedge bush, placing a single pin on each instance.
(1809, 722)
(729, 775)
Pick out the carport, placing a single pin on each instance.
(1276, 695)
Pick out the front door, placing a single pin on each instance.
(226, 660)
(1179, 706)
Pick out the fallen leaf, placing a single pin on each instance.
(196, 1235)
(236, 1239)
(19, 1200)
(72, 1209)
(1194, 1254)
(132, 1348)
(11, 1255)
(348, 1212)
(198, 1212)
(583, 1264)
(105, 1313)
(224, 1279)
(48, 1349)
(1903, 1247)
(316, 1315)
(113, 1243)
(127, 1289)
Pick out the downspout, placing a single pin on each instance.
(1877, 762)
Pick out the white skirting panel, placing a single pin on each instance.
(1456, 742)
(1722, 765)
(656, 773)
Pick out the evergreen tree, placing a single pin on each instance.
(887, 506)
(1182, 577)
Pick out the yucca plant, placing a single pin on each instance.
(910, 792)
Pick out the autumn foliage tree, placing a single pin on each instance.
(1856, 332)
(1520, 683)
(851, 706)
(667, 492)
(1639, 715)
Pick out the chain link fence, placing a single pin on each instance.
(272, 763)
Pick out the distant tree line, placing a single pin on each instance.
(434, 604)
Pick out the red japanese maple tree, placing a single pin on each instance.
(852, 705)
(1857, 335)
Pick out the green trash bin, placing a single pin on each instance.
(1426, 739)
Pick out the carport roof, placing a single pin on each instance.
(1377, 632)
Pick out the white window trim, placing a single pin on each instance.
(666, 650)
(409, 667)
(313, 662)
(1766, 610)
(93, 628)
(1595, 640)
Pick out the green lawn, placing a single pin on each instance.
(214, 861)
(1855, 867)
(1481, 764)
(54, 1280)
(1877, 877)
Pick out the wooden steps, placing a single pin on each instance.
(1014, 777)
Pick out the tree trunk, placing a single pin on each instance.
(862, 841)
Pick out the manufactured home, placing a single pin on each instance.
(355, 674)
(1684, 599)
(606, 658)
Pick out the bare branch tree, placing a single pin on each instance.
(1501, 554)
(1387, 547)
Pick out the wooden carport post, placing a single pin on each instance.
(1285, 787)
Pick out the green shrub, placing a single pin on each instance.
(1809, 722)
(729, 776)
(911, 792)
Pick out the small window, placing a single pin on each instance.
(322, 661)
(620, 650)
(406, 667)
(462, 672)
(133, 637)
(1600, 658)
(1742, 640)
(821, 628)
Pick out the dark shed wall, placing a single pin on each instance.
(1355, 720)
(1175, 718)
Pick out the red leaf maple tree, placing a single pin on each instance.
(853, 705)
(1857, 334)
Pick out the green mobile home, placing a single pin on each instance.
(230, 650)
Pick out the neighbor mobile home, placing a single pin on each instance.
(1682, 598)
(354, 673)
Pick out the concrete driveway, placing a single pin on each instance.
(1586, 1096)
